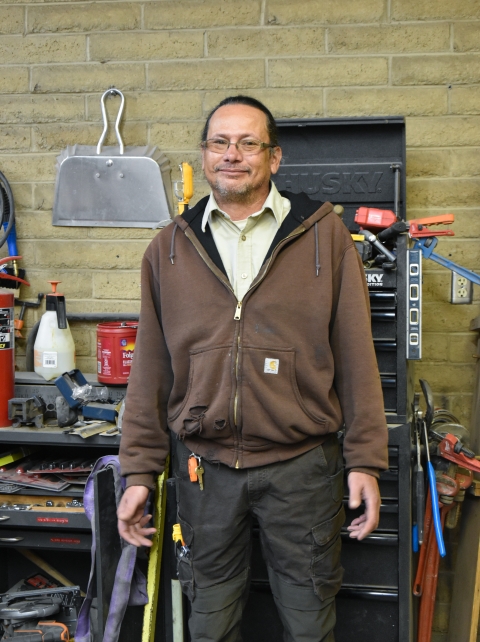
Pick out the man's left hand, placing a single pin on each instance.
(363, 487)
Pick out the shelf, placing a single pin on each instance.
(52, 437)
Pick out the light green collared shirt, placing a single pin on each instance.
(243, 245)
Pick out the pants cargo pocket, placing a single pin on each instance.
(184, 562)
(326, 569)
(337, 485)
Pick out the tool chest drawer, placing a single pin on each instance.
(50, 539)
(384, 325)
(388, 515)
(367, 616)
(386, 352)
(369, 563)
(30, 511)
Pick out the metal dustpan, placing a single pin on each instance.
(114, 186)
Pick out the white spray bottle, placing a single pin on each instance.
(54, 349)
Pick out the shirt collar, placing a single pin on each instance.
(273, 202)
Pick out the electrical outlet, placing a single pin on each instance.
(462, 289)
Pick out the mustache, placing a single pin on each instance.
(218, 168)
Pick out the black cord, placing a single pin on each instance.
(6, 199)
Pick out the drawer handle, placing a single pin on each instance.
(11, 539)
(4, 518)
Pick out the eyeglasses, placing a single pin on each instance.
(248, 146)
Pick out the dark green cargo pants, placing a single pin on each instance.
(298, 505)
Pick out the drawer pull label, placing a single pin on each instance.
(64, 540)
(53, 520)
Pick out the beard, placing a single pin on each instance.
(231, 193)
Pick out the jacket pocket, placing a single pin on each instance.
(326, 569)
(272, 406)
(204, 409)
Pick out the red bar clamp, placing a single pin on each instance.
(419, 227)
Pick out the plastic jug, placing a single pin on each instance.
(54, 349)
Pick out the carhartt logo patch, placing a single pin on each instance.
(271, 366)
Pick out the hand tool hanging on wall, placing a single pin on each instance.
(112, 186)
(18, 323)
(184, 196)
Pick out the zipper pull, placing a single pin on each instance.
(238, 311)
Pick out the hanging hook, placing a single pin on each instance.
(111, 92)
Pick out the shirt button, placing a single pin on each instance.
(244, 238)
(244, 275)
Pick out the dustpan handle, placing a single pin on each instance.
(111, 92)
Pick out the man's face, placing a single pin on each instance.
(233, 175)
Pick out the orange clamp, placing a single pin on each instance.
(419, 227)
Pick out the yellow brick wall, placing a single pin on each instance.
(175, 59)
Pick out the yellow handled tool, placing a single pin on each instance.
(187, 187)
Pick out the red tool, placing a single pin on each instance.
(372, 218)
(11, 277)
(7, 344)
(451, 448)
(419, 227)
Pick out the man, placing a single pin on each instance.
(254, 348)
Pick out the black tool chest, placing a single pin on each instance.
(60, 533)
(349, 161)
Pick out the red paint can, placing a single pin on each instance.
(7, 354)
(115, 346)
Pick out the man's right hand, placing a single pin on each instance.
(131, 520)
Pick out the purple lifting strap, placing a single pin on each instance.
(130, 586)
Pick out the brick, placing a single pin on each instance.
(266, 41)
(38, 225)
(461, 406)
(465, 162)
(435, 70)
(465, 100)
(317, 72)
(445, 317)
(57, 137)
(26, 250)
(449, 131)
(98, 305)
(22, 195)
(206, 74)
(42, 49)
(13, 80)
(43, 196)
(435, 10)
(408, 38)
(177, 136)
(153, 106)
(436, 283)
(117, 285)
(283, 103)
(12, 19)
(446, 378)
(22, 167)
(14, 139)
(76, 284)
(283, 12)
(41, 109)
(411, 101)
(435, 346)
(461, 251)
(83, 341)
(462, 347)
(466, 36)
(101, 255)
(428, 162)
(146, 46)
(91, 76)
(447, 193)
(121, 233)
(87, 364)
(104, 16)
(195, 14)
